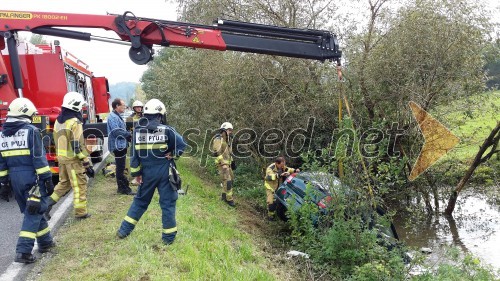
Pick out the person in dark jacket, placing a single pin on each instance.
(153, 147)
(118, 136)
(24, 166)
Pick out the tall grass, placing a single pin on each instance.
(210, 244)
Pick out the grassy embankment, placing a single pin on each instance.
(472, 129)
(214, 241)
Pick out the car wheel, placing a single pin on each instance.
(281, 211)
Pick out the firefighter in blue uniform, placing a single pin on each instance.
(22, 160)
(153, 147)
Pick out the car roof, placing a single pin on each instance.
(322, 180)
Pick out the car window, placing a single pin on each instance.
(300, 183)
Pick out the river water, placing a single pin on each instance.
(474, 228)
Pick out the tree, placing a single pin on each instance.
(486, 151)
(203, 88)
(37, 39)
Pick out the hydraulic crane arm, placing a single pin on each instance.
(143, 33)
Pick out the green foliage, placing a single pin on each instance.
(492, 66)
(302, 222)
(472, 127)
(460, 268)
(341, 242)
(375, 271)
(37, 39)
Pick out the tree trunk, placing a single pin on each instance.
(427, 201)
(435, 194)
(490, 141)
(454, 234)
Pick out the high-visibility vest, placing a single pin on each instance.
(69, 141)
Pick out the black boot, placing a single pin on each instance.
(46, 248)
(25, 258)
(127, 191)
(123, 188)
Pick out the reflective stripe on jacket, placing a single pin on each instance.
(23, 149)
(272, 179)
(69, 141)
(222, 151)
(149, 147)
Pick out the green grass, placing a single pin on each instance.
(214, 242)
(472, 120)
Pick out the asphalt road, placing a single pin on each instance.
(10, 225)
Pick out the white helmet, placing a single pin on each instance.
(154, 106)
(21, 107)
(73, 101)
(137, 103)
(226, 126)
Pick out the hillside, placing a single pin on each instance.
(123, 90)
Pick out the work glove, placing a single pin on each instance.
(33, 204)
(49, 186)
(5, 190)
(88, 169)
(233, 165)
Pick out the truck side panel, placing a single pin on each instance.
(101, 94)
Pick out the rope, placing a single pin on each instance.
(343, 98)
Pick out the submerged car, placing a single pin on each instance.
(317, 188)
(291, 194)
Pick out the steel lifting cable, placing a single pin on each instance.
(339, 74)
(343, 98)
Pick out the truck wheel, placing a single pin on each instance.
(281, 211)
(96, 156)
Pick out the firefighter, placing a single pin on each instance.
(276, 173)
(224, 161)
(137, 106)
(73, 163)
(153, 147)
(22, 159)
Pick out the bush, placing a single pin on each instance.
(341, 242)
(466, 268)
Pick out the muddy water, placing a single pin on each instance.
(474, 228)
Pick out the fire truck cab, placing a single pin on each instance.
(48, 73)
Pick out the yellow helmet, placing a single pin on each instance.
(21, 107)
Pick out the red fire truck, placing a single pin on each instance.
(47, 76)
(48, 73)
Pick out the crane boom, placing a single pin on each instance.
(143, 33)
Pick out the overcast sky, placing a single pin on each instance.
(104, 59)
